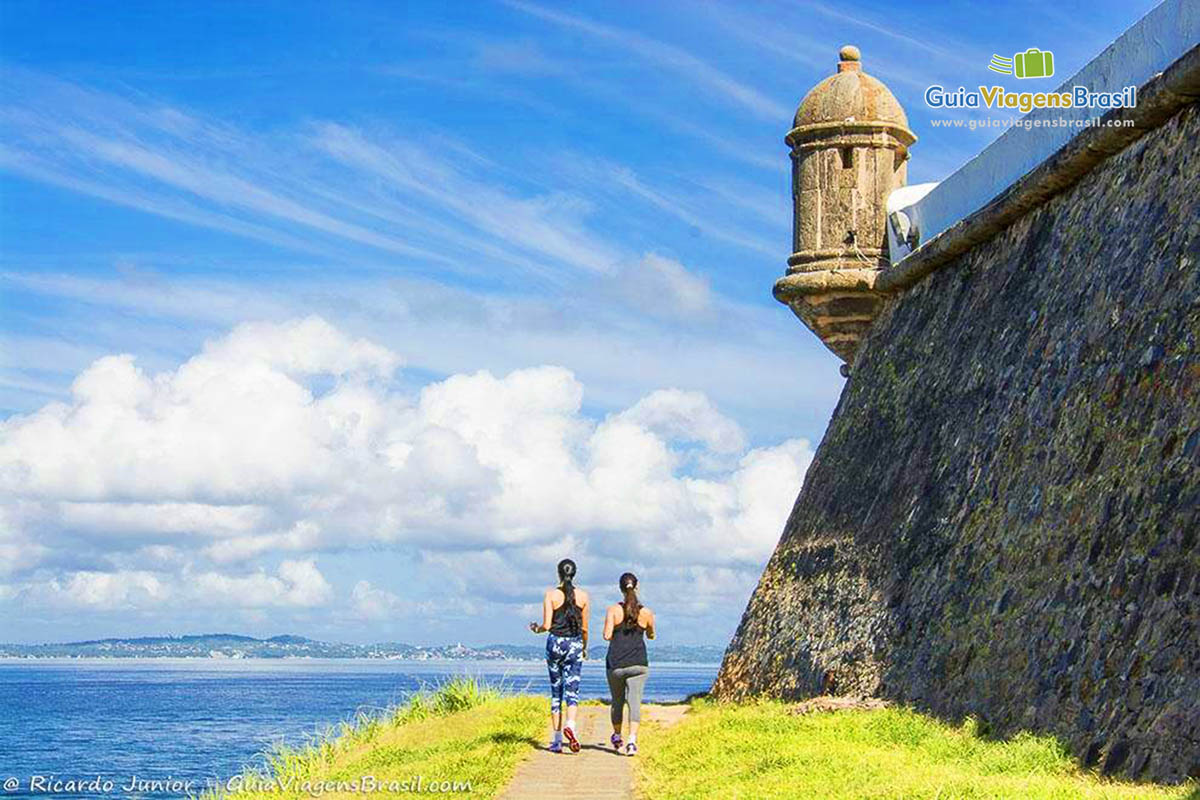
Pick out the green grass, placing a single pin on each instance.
(466, 731)
(463, 731)
(761, 751)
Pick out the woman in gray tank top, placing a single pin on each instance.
(626, 626)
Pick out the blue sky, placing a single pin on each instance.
(351, 320)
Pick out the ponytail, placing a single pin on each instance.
(566, 574)
(630, 607)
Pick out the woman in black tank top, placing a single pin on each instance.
(626, 627)
(565, 619)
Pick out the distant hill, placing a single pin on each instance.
(228, 645)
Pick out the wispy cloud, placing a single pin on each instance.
(653, 323)
(178, 170)
(666, 55)
(548, 226)
(791, 35)
(519, 71)
(683, 210)
(531, 243)
(786, 43)
(945, 53)
(300, 190)
(31, 165)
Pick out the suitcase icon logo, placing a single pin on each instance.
(1033, 63)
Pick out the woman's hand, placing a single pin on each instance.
(584, 655)
(535, 627)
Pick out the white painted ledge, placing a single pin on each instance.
(1145, 50)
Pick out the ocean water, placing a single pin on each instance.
(205, 719)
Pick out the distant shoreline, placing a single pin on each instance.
(8, 659)
(234, 647)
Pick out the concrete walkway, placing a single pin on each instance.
(596, 772)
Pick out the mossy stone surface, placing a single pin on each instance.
(1002, 518)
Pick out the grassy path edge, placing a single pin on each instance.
(465, 737)
(765, 750)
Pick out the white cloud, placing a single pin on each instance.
(309, 346)
(292, 438)
(299, 583)
(374, 604)
(230, 424)
(302, 536)
(101, 590)
(686, 416)
(19, 550)
(767, 482)
(151, 519)
(664, 287)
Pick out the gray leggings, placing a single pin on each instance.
(626, 684)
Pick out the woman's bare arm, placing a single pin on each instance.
(585, 611)
(547, 614)
(548, 610)
(649, 623)
(610, 622)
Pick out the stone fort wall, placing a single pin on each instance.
(1002, 518)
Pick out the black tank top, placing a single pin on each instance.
(627, 647)
(563, 625)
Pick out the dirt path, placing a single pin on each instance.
(596, 772)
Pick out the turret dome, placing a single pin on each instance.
(849, 151)
(851, 95)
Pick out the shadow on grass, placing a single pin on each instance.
(505, 737)
(687, 701)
